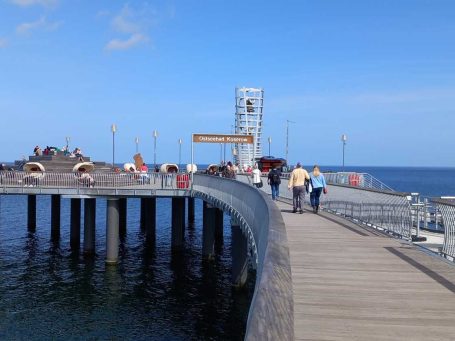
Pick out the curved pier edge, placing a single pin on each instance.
(271, 315)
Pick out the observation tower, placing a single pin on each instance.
(249, 104)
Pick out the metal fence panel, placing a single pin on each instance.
(383, 209)
(447, 209)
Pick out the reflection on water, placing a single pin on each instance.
(48, 291)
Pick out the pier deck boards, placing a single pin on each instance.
(352, 284)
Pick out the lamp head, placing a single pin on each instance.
(344, 138)
(113, 128)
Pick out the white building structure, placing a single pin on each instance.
(249, 104)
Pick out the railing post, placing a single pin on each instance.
(425, 212)
(418, 218)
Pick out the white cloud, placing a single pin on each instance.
(125, 22)
(134, 25)
(3, 43)
(40, 24)
(133, 40)
(27, 3)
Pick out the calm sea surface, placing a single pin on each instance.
(47, 292)
(428, 181)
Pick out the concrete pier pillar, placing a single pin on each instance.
(208, 231)
(178, 221)
(123, 216)
(55, 216)
(143, 209)
(112, 231)
(219, 217)
(75, 227)
(191, 211)
(239, 256)
(89, 226)
(31, 214)
(150, 219)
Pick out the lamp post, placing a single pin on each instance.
(136, 140)
(344, 138)
(113, 129)
(155, 135)
(180, 152)
(270, 142)
(221, 153)
(287, 139)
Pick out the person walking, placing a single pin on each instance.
(319, 185)
(274, 180)
(297, 185)
(256, 175)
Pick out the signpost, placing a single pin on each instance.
(217, 138)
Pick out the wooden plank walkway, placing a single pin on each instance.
(354, 284)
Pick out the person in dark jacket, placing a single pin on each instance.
(274, 180)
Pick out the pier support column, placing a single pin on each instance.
(239, 256)
(142, 213)
(219, 216)
(75, 228)
(178, 221)
(208, 230)
(123, 215)
(112, 231)
(31, 214)
(150, 219)
(89, 226)
(191, 211)
(55, 216)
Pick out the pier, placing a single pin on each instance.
(351, 272)
(351, 283)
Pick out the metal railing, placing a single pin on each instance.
(362, 180)
(447, 210)
(386, 210)
(271, 315)
(14, 179)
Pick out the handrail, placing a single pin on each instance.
(355, 179)
(447, 209)
(105, 180)
(383, 209)
(271, 315)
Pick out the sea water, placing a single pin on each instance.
(427, 181)
(48, 292)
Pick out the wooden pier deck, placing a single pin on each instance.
(351, 283)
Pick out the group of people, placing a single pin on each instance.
(50, 150)
(300, 182)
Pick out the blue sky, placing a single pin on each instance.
(381, 72)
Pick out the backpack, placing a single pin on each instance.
(276, 177)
